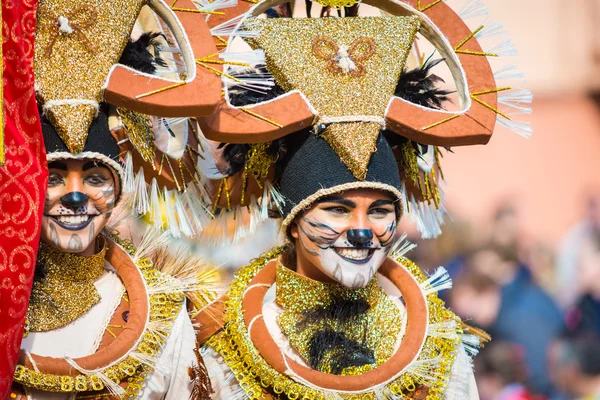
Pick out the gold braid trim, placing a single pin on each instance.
(256, 376)
(164, 307)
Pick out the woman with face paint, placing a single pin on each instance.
(341, 138)
(103, 322)
(338, 310)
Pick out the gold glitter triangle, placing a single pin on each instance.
(77, 43)
(356, 154)
(72, 124)
(304, 54)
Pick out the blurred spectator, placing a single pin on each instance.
(541, 263)
(585, 314)
(575, 366)
(498, 294)
(569, 253)
(506, 231)
(501, 372)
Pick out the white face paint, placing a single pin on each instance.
(79, 201)
(346, 237)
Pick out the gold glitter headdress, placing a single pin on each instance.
(78, 47)
(343, 78)
(346, 67)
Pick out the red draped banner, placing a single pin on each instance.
(22, 180)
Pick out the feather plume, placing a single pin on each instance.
(420, 86)
(138, 56)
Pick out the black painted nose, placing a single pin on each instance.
(74, 199)
(359, 237)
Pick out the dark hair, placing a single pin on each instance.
(503, 359)
(584, 349)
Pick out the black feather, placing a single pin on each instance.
(138, 56)
(339, 311)
(419, 86)
(240, 96)
(341, 351)
(236, 155)
(330, 344)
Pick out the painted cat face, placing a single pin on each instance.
(347, 235)
(79, 201)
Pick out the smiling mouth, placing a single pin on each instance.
(73, 222)
(354, 255)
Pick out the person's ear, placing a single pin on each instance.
(294, 230)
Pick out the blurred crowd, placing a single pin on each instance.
(541, 307)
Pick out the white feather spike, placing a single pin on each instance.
(517, 100)
(110, 385)
(405, 210)
(473, 9)
(140, 195)
(249, 78)
(197, 214)
(509, 71)
(198, 193)
(186, 273)
(438, 281)
(445, 330)
(129, 184)
(428, 219)
(170, 49)
(172, 224)
(252, 84)
(491, 30)
(206, 163)
(274, 198)
(249, 57)
(160, 328)
(206, 5)
(155, 205)
(504, 49)
(471, 344)
(153, 239)
(182, 216)
(255, 215)
(231, 28)
(150, 361)
(521, 128)
(401, 246)
(425, 369)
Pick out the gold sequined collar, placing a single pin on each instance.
(297, 293)
(66, 291)
(377, 329)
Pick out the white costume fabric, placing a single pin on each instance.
(169, 380)
(461, 385)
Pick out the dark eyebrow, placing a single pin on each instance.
(336, 199)
(382, 202)
(92, 164)
(57, 165)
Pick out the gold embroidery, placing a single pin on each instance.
(344, 59)
(67, 290)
